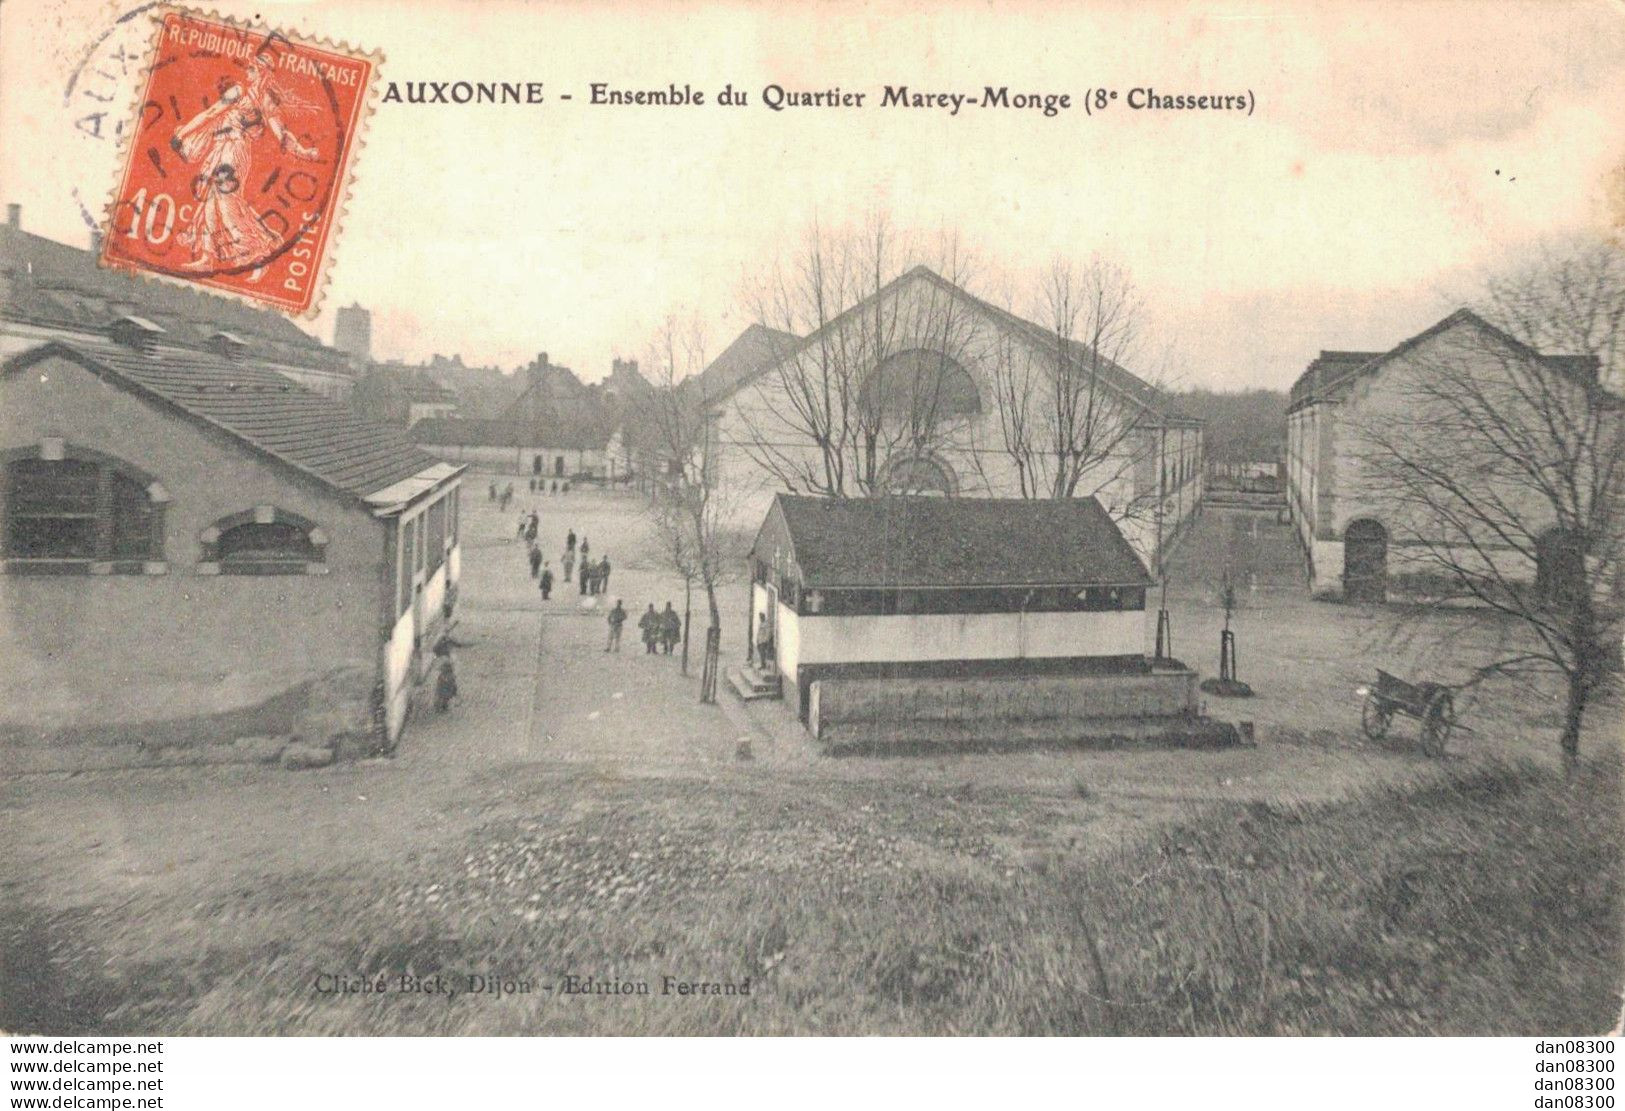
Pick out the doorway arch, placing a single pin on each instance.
(922, 475)
(1559, 568)
(1365, 561)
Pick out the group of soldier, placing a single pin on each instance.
(579, 566)
(661, 631)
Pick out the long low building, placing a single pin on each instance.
(515, 447)
(197, 551)
(962, 590)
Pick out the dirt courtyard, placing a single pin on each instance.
(546, 712)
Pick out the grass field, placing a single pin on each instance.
(1483, 902)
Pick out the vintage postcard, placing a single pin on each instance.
(844, 519)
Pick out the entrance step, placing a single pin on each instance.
(750, 684)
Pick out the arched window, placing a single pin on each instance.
(264, 540)
(256, 543)
(70, 510)
(920, 385)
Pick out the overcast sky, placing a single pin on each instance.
(1396, 153)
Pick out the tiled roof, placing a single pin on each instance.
(50, 283)
(578, 419)
(754, 350)
(258, 406)
(1328, 370)
(946, 542)
(1329, 376)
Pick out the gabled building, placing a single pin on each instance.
(509, 447)
(937, 393)
(201, 559)
(1359, 538)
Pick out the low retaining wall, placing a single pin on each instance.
(1161, 705)
(333, 712)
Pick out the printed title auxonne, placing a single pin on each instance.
(778, 98)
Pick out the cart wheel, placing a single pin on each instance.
(1374, 717)
(1437, 721)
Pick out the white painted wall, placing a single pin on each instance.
(397, 674)
(809, 639)
(511, 460)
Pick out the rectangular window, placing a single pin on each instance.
(132, 525)
(971, 600)
(79, 510)
(434, 537)
(408, 565)
(52, 509)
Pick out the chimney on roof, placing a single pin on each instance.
(136, 333)
(228, 346)
(14, 215)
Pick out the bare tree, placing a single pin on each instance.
(1497, 461)
(692, 519)
(1572, 300)
(1069, 416)
(879, 372)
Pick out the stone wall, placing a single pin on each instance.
(1009, 710)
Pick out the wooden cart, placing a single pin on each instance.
(1430, 703)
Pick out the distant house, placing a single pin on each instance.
(951, 590)
(936, 412)
(194, 549)
(481, 391)
(401, 395)
(49, 290)
(1355, 540)
(624, 382)
(556, 428)
(743, 361)
(518, 448)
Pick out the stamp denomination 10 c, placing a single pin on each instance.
(238, 161)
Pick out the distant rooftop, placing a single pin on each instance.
(54, 285)
(258, 406)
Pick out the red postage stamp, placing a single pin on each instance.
(238, 161)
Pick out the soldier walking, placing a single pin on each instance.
(671, 628)
(649, 624)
